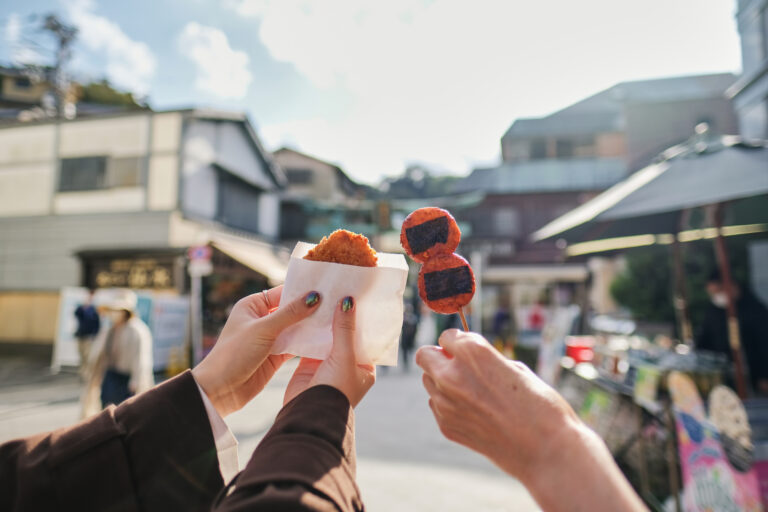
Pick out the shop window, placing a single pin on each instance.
(99, 172)
(22, 82)
(299, 176)
(538, 149)
(86, 173)
(564, 148)
(124, 172)
(238, 203)
(506, 222)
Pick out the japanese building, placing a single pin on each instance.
(116, 200)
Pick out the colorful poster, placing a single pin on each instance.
(646, 386)
(710, 483)
(170, 318)
(596, 409)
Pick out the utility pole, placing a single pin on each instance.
(65, 35)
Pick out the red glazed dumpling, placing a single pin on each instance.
(446, 283)
(427, 232)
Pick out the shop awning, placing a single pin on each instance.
(258, 256)
(535, 273)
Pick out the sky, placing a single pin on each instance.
(375, 86)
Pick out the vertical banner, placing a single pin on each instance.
(170, 318)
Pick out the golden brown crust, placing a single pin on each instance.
(344, 247)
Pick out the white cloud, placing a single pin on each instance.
(441, 80)
(220, 70)
(13, 29)
(130, 64)
(20, 52)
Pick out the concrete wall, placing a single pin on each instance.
(38, 253)
(653, 127)
(26, 169)
(224, 143)
(324, 185)
(28, 317)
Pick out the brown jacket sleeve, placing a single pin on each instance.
(306, 462)
(153, 452)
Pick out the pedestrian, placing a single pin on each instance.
(88, 326)
(123, 362)
(753, 328)
(408, 335)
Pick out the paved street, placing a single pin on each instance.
(404, 463)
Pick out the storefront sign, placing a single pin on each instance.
(139, 273)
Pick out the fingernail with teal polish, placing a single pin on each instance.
(311, 299)
(347, 303)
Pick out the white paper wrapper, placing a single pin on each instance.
(378, 293)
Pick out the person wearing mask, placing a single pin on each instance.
(753, 328)
(124, 358)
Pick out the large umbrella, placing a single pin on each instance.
(689, 184)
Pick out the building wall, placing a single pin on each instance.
(751, 99)
(28, 317)
(225, 143)
(31, 94)
(26, 170)
(163, 172)
(38, 253)
(653, 127)
(324, 184)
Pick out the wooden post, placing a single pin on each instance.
(734, 336)
(680, 297)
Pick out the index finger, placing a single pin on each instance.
(431, 358)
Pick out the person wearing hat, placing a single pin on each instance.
(124, 357)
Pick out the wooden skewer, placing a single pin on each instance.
(463, 319)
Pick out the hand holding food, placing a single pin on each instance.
(502, 410)
(239, 366)
(342, 265)
(340, 370)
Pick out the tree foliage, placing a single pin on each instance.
(646, 286)
(103, 93)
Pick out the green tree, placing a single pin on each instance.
(646, 286)
(103, 93)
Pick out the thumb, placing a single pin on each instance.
(288, 314)
(343, 349)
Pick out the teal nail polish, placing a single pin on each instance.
(347, 303)
(311, 299)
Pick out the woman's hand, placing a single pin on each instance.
(500, 409)
(340, 370)
(240, 364)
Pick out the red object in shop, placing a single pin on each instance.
(579, 348)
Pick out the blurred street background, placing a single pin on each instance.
(606, 162)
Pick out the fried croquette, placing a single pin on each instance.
(344, 247)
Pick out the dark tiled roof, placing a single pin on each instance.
(603, 111)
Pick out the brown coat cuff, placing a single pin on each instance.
(308, 454)
(169, 442)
